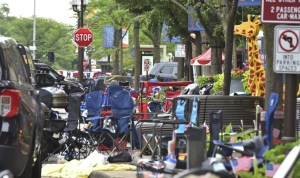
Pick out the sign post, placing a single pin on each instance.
(287, 60)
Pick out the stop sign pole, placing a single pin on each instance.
(83, 37)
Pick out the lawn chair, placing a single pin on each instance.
(170, 95)
(255, 146)
(63, 136)
(190, 138)
(187, 138)
(111, 133)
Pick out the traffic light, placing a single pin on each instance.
(51, 56)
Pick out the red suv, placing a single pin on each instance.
(21, 121)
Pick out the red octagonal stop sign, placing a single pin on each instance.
(83, 37)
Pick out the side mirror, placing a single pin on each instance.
(44, 80)
(60, 78)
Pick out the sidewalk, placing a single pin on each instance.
(113, 174)
(105, 174)
(102, 174)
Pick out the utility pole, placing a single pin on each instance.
(80, 25)
(33, 47)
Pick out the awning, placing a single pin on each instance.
(204, 58)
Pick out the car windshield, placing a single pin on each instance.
(53, 74)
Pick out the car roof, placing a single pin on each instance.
(7, 42)
(157, 66)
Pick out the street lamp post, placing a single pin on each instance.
(90, 51)
(33, 47)
(80, 11)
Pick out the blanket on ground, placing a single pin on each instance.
(73, 169)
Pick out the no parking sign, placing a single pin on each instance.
(286, 49)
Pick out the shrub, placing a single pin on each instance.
(218, 80)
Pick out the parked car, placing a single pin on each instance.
(67, 85)
(21, 121)
(164, 71)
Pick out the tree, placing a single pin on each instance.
(50, 36)
(4, 10)
(271, 76)
(227, 16)
(136, 8)
(153, 29)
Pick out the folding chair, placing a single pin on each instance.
(169, 97)
(111, 133)
(190, 138)
(215, 129)
(255, 146)
(63, 136)
(162, 128)
(149, 132)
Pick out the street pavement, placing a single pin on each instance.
(97, 174)
(103, 174)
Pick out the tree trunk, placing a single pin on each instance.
(121, 55)
(216, 56)
(188, 71)
(116, 67)
(228, 33)
(180, 68)
(198, 51)
(198, 43)
(138, 60)
(274, 81)
(156, 43)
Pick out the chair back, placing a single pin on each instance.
(122, 105)
(215, 124)
(185, 109)
(194, 122)
(273, 102)
(169, 96)
(99, 85)
(110, 91)
(74, 114)
(46, 97)
(94, 101)
(215, 128)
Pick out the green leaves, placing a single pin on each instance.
(50, 36)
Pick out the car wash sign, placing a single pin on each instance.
(286, 49)
(280, 11)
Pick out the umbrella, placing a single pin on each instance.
(204, 59)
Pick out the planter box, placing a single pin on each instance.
(236, 85)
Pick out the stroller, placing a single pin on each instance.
(111, 132)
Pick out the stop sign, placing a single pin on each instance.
(83, 37)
